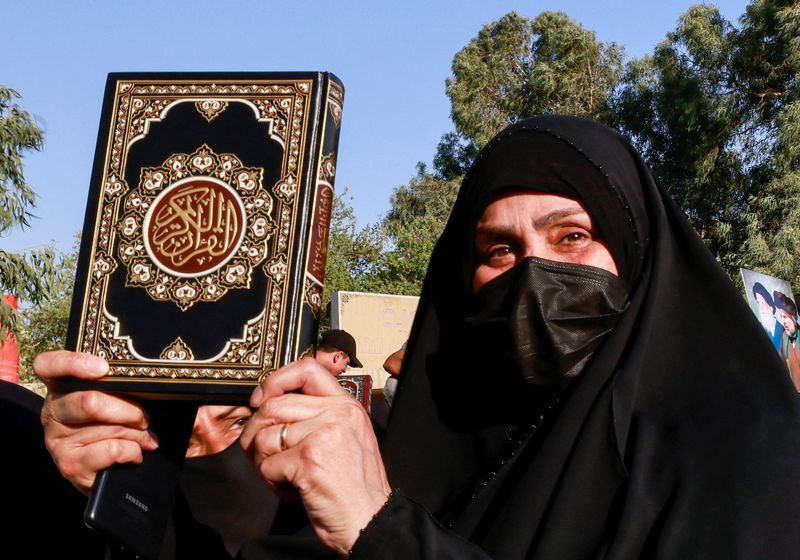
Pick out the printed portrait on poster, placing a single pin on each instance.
(773, 303)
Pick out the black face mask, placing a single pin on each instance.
(542, 320)
(224, 492)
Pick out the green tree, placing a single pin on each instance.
(392, 255)
(768, 67)
(28, 276)
(454, 155)
(44, 324)
(681, 108)
(419, 211)
(517, 68)
(352, 253)
(714, 112)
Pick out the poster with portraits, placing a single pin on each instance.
(773, 302)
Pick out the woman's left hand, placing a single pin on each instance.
(321, 442)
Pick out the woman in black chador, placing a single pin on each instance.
(636, 416)
(582, 381)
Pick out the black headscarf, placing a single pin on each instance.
(680, 436)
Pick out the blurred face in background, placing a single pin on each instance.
(765, 312)
(216, 427)
(788, 321)
(335, 361)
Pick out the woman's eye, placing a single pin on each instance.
(575, 237)
(240, 422)
(499, 252)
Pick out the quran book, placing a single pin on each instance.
(360, 388)
(204, 245)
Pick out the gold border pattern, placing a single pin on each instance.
(283, 105)
(336, 103)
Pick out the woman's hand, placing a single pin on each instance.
(321, 443)
(88, 431)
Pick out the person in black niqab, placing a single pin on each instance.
(549, 416)
(582, 380)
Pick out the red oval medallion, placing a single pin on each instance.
(194, 226)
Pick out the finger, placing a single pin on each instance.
(282, 437)
(305, 375)
(280, 470)
(294, 408)
(277, 481)
(254, 428)
(81, 465)
(266, 442)
(84, 407)
(80, 452)
(50, 366)
(66, 438)
(334, 421)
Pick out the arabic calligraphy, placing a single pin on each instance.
(194, 226)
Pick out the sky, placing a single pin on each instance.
(393, 58)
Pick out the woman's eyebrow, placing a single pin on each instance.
(555, 215)
(492, 232)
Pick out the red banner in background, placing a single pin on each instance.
(9, 351)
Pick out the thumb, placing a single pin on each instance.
(59, 364)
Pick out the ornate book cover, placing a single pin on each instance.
(205, 239)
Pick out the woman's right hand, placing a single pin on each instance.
(310, 434)
(88, 431)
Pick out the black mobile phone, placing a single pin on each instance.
(132, 504)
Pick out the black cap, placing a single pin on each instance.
(341, 340)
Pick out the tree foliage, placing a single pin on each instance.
(419, 211)
(517, 68)
(769, 70)
(680, 108)
(392, 255)
(44, 325)
(28, 276)
(353, 253)
(714, 112)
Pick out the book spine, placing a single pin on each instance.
(321, 221)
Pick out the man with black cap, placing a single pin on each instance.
(336, 351)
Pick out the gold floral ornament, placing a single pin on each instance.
(211, 108)
(177, 351)
(195, 227)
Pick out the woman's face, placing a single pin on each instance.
(518, 225)
(216, 427)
